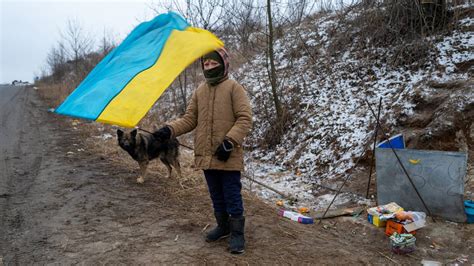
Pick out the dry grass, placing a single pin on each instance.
(53, 94)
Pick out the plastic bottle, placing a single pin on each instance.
(297, 217)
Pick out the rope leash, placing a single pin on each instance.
(139, 128)
(243, 175)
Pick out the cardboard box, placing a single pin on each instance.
(393, 226)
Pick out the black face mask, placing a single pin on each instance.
(214, 75)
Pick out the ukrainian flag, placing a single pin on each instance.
(129, 80)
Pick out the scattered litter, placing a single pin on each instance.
(35, 88)
(303, 210)
(75, 122)
(435, 245)
(279, 203)
(81, 149)
(431, 263)
(402, 243)
(463, 259)
(176, 238)
(70, 152)
(297, 217)
(51, 110)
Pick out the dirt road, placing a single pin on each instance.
(63, 202)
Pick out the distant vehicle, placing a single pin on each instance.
(20, 83)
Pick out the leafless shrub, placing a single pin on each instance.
(400, 25)
(412, 55)
(56, 61)
(290, 112)
(276, 130)
(386, 22)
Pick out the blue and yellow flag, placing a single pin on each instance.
(129, 80)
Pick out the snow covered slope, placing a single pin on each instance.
(332, 125)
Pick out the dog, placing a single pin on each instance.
(144, 147)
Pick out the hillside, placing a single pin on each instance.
(426, 88)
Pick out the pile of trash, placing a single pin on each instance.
(400, 225)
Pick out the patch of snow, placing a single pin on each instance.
(335, 124)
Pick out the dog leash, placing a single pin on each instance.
(287, 196)
(139, 128)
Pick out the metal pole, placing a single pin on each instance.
(401, 164)
(345, 180)
(373, 150)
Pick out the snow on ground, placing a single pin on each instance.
(334, 125)
(455, 49)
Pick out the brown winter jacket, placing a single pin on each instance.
(216, 112)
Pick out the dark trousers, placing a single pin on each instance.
(224, 188)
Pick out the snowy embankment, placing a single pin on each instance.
(333, 125)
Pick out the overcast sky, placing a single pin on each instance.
(29, 28)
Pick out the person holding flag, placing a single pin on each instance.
(221, 114)
(123, 87)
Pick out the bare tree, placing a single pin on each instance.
(298, 10)
(107, 42)
(183, 89)
(244, 20)
(206, 14)
(78, 42)
(272, 70)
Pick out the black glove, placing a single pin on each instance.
(224, 150)
(163, 133)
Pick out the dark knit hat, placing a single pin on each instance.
(214, 55)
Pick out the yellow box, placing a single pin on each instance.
(375, 220)
(373, 214)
